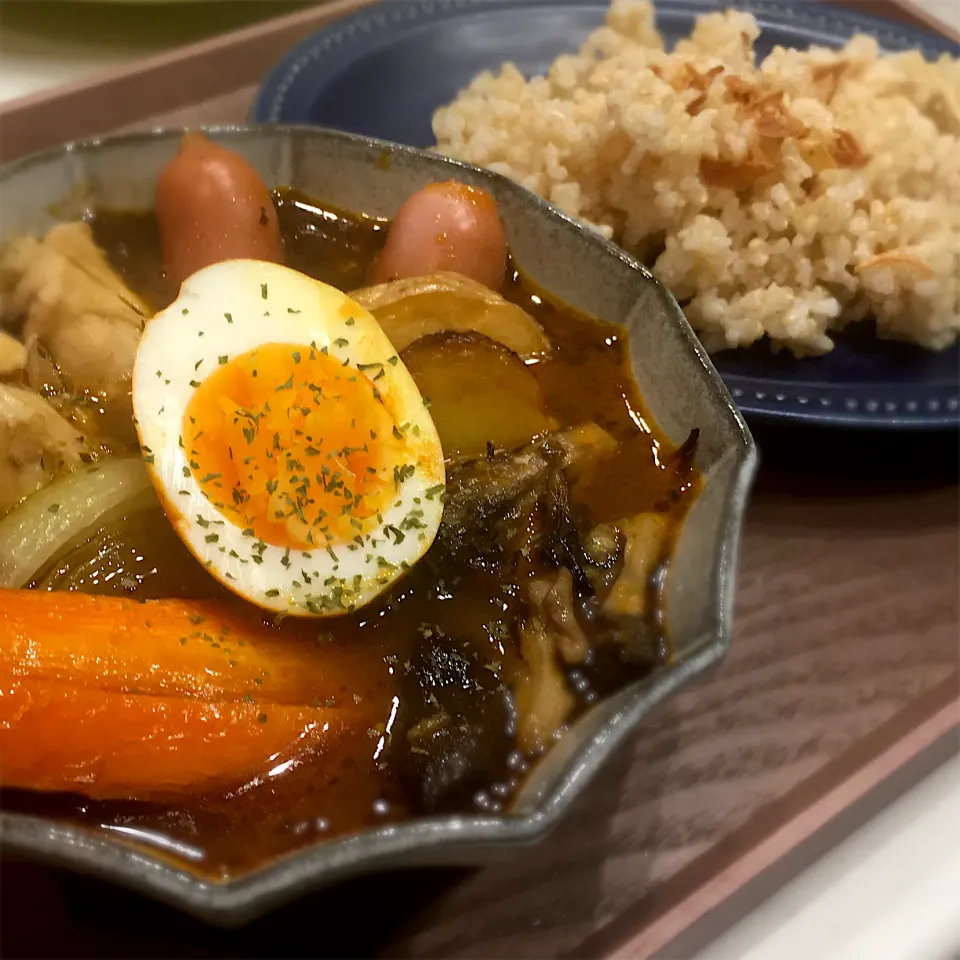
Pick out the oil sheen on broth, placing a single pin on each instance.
(439, 621)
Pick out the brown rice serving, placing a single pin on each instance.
(783, 199)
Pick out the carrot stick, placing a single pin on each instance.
(195, 648)
(114, 698)
(111, 745)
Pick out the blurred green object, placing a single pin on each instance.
(138, 25)
(285, 5)
(145, 2)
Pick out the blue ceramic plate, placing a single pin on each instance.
(383, 71)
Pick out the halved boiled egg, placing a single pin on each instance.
(290, 447)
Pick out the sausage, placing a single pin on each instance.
(445, 226)
(211, 205)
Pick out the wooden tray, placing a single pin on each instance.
(934, 15)
(842, 687)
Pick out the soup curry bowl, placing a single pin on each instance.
(573, 566)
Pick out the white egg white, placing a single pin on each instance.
(226, 310)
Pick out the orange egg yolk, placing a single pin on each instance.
(294, 447)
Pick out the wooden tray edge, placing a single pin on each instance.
(786, 837)
(786, 834)
(907, 11)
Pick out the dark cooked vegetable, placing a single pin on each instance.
(489, 500)
(212, 205)
(511, 513)
(480, 393)
(445, 226)
(414, 308)
(452, 729)
(552, 600)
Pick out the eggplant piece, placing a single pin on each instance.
(449, 302)
(479, 392)
(491, 483)
(510, 513)
(453, 725)
(505, 507)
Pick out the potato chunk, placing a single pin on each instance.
(480, 393)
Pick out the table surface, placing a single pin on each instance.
(908, 855)
(847, 609)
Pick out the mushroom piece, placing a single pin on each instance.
(645, 536)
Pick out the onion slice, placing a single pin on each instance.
(52, 518)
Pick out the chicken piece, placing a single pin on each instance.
(13, 355)
(75, 305)
(36, 444)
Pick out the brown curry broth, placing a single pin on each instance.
(339, 794)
